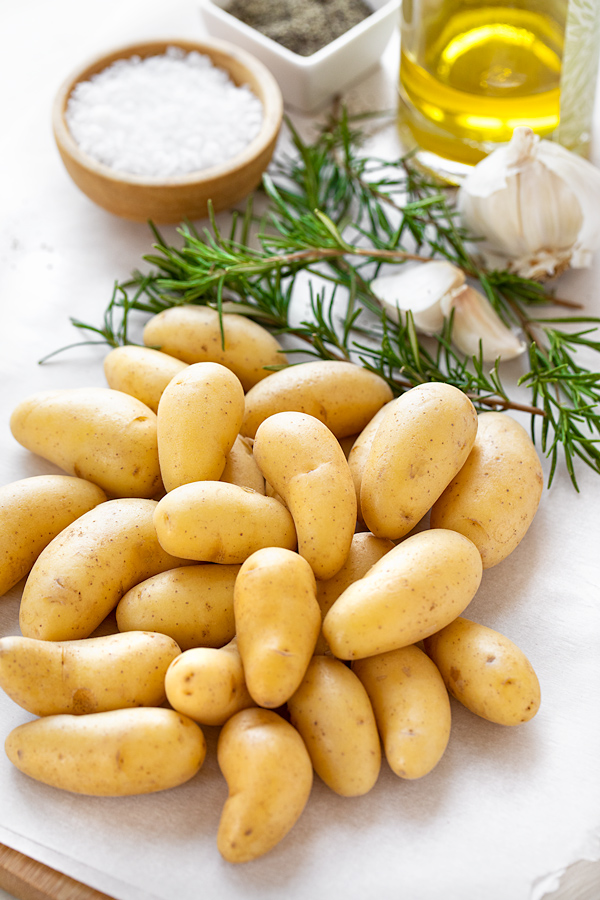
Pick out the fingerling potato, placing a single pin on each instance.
(109, 754)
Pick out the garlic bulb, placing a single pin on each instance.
(535, 204)
(431, 291)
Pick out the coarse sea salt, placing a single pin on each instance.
(165, 115)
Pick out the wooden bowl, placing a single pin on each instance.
(173, 198)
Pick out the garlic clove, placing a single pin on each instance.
(536, 205)
(475, 320)
(421, 289)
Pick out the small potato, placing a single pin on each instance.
(192, 604)
(411, 707)
(93, 675)
(240, 467)
(269, 775)
(420, 445)
(32, 512)
(485, 672)
(199, 417)
(302, 461)
(109, 754)
(334, 717)
(141, 372)
(83, 573)
(104, 436)
(193, 334)
(342, 395)
(211, 521)
(208, 685)
(494, 497)
(277, 622)
(365, 551)
(414, 590)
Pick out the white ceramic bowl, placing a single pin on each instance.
(308, 82)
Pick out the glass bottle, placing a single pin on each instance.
(472, 70)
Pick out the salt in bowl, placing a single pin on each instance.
(171, 199)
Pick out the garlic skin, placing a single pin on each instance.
(434, 290)
(420, 288)
(535, 204)
(475, 320)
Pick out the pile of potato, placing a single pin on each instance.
(252, 530)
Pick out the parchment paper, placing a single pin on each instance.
(506, 808)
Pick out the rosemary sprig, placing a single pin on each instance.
(339, 214)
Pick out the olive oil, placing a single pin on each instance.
(477, 70)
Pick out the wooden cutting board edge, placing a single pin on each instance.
(28, 879)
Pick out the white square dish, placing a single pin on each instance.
(308, 82)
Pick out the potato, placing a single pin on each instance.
(411, 707)
(413, 591)
(109, 754)
(342, 395)
(212, 521)
(87, 676)
(269, 775)
(334, 717)
(486, 672)
(240, 467)
(420, 445)
(191, 604)
(83, 573)
(277, 621)
(199, 417)
(361, 448)
(32, 512)
(102, 435)
(494, 497)
(365, 551)
(302, 461)
(193, 334)
(208, 685)
(141, 372)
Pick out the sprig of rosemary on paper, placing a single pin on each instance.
(340, 215)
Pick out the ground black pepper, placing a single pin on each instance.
(303, 26)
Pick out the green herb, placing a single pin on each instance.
(340, 215)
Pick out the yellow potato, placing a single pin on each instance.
(240, 467)
(102, 435)
(32, 512)
(212, 521)
(269, 775)
(411, 707)
(494, 497)
(334, 717)
(365, 551)
(342, 395)
(83, 573)
(277, 622)
(141, 372)
(199, 417)
(208, 685)
(486, 672)
(302, 461)
(191, 604)
(93, 675)
(109, 754)
(420, 445)
(414, 590)
(193, 334)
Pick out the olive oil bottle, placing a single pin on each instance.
(471, 71)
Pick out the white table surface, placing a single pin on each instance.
(506, 812)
